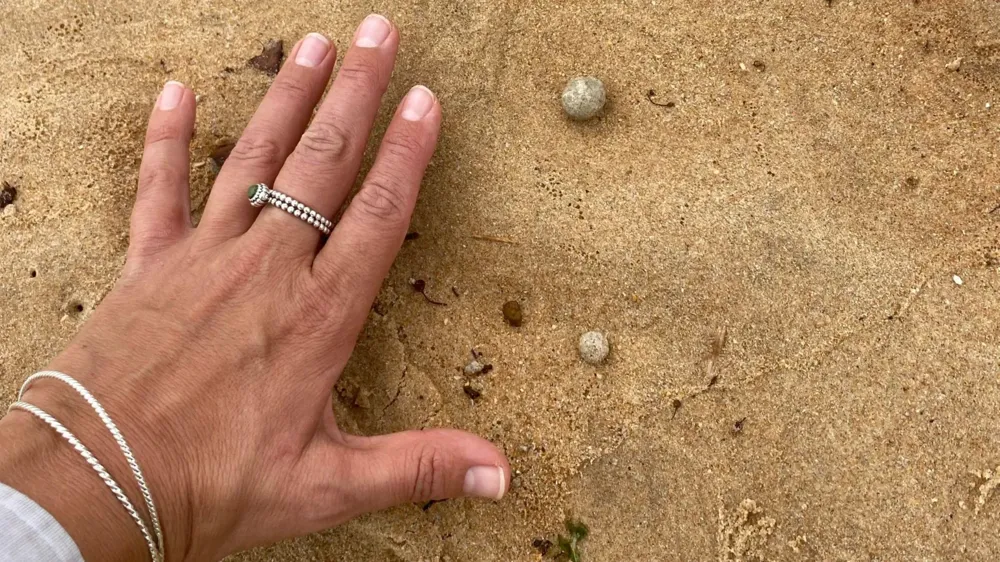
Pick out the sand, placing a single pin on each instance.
(820, 178)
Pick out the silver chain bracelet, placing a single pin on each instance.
(156, 545)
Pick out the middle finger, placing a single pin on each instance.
(321, 170)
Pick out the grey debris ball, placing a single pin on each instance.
(584, 98)
(474, 367)
(594, 347)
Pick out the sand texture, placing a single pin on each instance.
(795, 373)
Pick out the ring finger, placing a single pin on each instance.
(321, 170)
(270, 136)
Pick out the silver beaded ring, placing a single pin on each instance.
(260, 194)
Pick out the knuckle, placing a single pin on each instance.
(289, 90)
(156, 177)
(254, 254)
(146, 242)
(244, 269)
(429, 474)
(325, 140)
(270, 255)
(239, 272)
(258, 150)
(163, 131)
(364, 73)
(319, 301)
(382, 198)
(405, 148)
(331, 285)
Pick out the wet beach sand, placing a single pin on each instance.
(786, 221)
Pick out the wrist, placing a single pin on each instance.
(40, 464)
(44, 466)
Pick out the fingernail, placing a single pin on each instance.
(171, 96)
(313, 50)
(418, 103)
(373, 31)
(485, 482)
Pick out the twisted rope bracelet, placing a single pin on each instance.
(156, 546)
(118, 437)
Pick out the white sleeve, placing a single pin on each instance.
(28, 533)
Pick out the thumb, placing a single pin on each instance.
(418, 466)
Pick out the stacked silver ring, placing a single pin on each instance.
(260, 194)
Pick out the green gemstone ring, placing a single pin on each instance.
(260, 194)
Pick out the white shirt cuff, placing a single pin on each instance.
(28, 533)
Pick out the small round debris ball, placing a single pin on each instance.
(512, 313)
(584, 98)
(594, 347)
(474, 367)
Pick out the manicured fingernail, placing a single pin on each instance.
(485, 482)
(171, 96)
(313, 50)
(418, 103)
(373, 31)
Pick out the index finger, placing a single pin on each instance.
(364, 244)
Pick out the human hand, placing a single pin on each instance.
(218, 348)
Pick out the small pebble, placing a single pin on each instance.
(542, 546)
(957, 279)
(473, 389)
(584, 98)
(9, 210)
(512, 313)
(594, 347)
(954, 65)
(8, 193)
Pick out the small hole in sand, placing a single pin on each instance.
(33, 274)
(74, 309)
